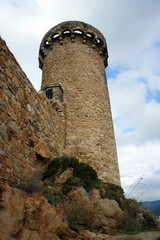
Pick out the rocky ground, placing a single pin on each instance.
(29, 217)
(141, 236)
(59, 207)
(25, 217)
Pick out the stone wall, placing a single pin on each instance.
(32, 128)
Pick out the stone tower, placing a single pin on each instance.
(73, 56)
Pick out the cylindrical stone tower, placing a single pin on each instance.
(73, 55)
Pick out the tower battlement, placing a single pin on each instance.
(71, 30)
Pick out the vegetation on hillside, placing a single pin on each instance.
(84, 175)
(135, 219)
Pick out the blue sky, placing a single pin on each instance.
(132, 32)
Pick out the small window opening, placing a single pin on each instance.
(66, 32)
(99, 41)
(53, 91)
(55, 36)
(47, 43)
(89, 35)
(78, 32)
(49, 94)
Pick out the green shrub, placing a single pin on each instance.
(136, 219)
(114, 192)
(59, 164)
(79, 217)
(149, 221)
(132, 207)
(132, 220)
(54, 166)
(30, 185)
(129, 224)
(84, 171)
(73, 181)
(86, 174)
(55, 198)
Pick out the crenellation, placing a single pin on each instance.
(73, 30)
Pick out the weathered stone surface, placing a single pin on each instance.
(107, 214)
(27, 234)
(79, 196)
(94, 195)
(31, 129)
(29, 217)
(42, 150)
(25, 217)
(62, 178)
(102, 214)
(141, 236)
(109, 208)
(88, 235)
(11, 210)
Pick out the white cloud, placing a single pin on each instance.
(135, 118)
(140, 162)
(142, 187)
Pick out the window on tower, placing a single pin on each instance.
(49, 93)
(53, 91)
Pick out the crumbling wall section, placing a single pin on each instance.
(32, 129)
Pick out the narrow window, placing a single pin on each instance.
(49, 94)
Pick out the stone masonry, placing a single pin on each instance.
(32, 129)
(74, 55)
(71, 114)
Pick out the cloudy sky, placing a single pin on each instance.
(132, 31)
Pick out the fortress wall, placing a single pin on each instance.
(32, 129)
